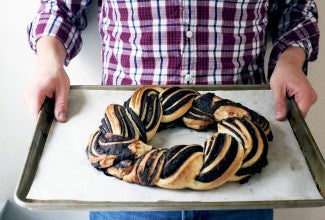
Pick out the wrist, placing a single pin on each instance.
(292, 57)
(50, 51)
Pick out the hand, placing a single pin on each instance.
(51, 80)
(288, 80)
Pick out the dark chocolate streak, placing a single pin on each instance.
(261, 121)
(120, 148)
(174, 103)
(119, 166)
(232, 122)
(253, 134)
(260, 163)
(222, 167)
(266, 144)
(144, 176)
(153, 110)
(172, 95)
(150, 108)
(127, 124)
(120, 119)
(172, 165)
(106, 125)
(124, 164)
(214, 149)
(169, 91)
(204, 103)
(197, 111)
(197, 114)
(137, 121)
(226, 102)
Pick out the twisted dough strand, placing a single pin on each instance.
(235, 152)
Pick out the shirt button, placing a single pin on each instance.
(188, 78)
(189, 34)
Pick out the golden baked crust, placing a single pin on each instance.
(235, 152)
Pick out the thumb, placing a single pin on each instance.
(280, 105)
(61, 105)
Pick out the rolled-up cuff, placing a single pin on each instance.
(52, 25)
(310, 46)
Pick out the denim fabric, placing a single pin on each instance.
(258, 214)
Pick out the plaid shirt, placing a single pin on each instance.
(183, 42)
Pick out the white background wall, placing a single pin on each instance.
(17, 65)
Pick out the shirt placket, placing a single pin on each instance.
(189, 30)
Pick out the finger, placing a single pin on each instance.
(34, 102)
(280, 105)
(303, 109)
(61, 105)
(304, 102)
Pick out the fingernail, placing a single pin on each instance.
(62, 116)
(278, 114)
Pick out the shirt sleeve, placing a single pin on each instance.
(61, 19)
(293, 23)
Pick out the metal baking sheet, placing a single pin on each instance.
(184, 199)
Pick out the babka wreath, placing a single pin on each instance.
(236, 151)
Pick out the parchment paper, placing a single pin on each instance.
(64, 172)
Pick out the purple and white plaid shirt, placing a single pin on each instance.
(183, 41)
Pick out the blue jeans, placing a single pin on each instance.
(256, 214)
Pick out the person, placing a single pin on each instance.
(180, 42)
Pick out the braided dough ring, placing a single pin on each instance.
(236, 151)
